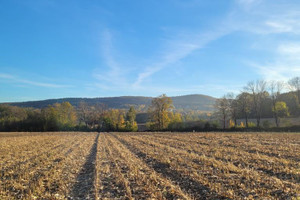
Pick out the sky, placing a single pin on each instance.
(100, 48)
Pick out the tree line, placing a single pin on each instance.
(161, 116)
(65, 117)
(260, 99)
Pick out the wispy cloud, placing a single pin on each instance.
(179, 48)
(6, 76)
(178, 51)
(285, 65)
(267, 17)
(175, 50)
(289, 51)
(196, 89)
(16, 79)
(248, 4)
(280, 20)
(243, 17)
(284, 23)
(257, 17)
(149, 90)
(115, 75)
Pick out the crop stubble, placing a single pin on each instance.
(73, 165)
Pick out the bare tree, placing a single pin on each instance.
(244, 105)
(275, 88)
(233, 107)
(294, 84)
(83, 112)
(96, 112)
(90, 114)
(258, 92)
(223, 107)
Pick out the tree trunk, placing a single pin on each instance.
(258, 122)
(275, 115)
(276, 120)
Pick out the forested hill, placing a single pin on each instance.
(186, 102)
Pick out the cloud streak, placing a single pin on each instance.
(266, 17)
(255, 17)
(115, 74)
(279, 23)
(178, 49)
(285, 65)
(181, 51)
(15, 79)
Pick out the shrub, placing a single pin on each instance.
(266, 124)
(251, 124)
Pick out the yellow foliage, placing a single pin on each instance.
(121, 122)
(231, 124)
(242, 125)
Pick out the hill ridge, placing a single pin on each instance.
(190, 101)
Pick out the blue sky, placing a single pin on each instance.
(70, 48)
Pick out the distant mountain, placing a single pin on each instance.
(186, 102)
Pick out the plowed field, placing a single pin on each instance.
(149, 165)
